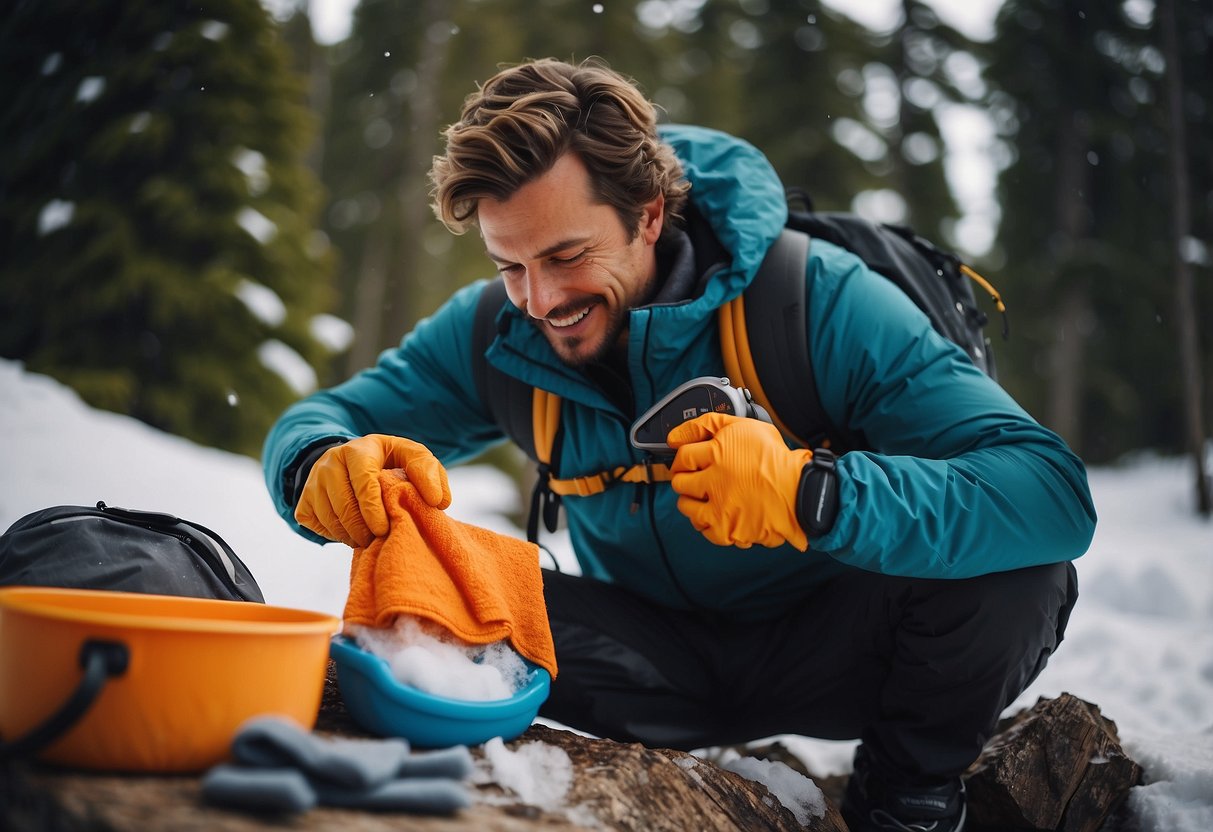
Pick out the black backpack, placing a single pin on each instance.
(764, 329)
(120, 549)
(938, 282)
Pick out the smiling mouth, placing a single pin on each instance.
(568, 320)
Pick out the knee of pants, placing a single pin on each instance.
(1035, 602)
(1056, 595)
(1011, 622)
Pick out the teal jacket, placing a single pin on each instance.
(961, 481)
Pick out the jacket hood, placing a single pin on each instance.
(736, 190)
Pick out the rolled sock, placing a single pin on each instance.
(262, 790)
(281, 767)
(431, 796)
(277, 742)
(454, 763)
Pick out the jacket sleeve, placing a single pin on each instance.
(423, 389)
(961, 481)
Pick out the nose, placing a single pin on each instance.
(542, 293)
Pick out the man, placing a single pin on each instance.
(714, 608)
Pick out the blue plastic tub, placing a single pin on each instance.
(382, 705)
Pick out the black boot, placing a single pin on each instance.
(876, 803)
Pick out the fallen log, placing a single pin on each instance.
(610, 785)
(1058, 765)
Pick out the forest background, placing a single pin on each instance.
(205, 213)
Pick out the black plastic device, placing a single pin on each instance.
(705, 394)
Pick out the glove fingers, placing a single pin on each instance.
(722, 537)
(696, 511)
(362, 510)
(694, 485)
(318, 515)
(305, 517)
(427, 474)
(694, 457)
(698, 429)
(343, 518)
(718, 526)
(357, 531)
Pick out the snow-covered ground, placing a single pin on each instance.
(1140, 642)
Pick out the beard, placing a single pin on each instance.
(573, 351)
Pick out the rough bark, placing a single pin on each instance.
(1058, 766)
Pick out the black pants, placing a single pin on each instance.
(920, 670)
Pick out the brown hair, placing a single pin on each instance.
(514, 128)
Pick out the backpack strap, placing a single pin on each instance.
(766, 327)
(507, 398)
(591, 484)
(527, 415)
(545, 411)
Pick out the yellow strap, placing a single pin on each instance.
(728, 342)
(597, 483)
(985, 284)
(545, 419)
(739, 362)
(994, 296)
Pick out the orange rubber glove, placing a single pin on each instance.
(738, 481)
(342, 499)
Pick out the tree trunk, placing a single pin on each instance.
(320, 93)
(369, 295)
(1065, 360)
(1071, 321)
(1185, 292)
(407, 286)
(1071, 324)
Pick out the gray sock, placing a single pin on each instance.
(277, 742)
(454, 763)
(258, 789)
(280, 767)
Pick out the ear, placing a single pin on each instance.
(652, 219)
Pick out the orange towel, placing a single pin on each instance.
(480, 585)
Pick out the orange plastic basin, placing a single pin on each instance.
(198, 669)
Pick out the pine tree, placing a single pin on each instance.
(156, 217)
(1087, 220)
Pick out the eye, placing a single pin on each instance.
(569, 261)
(512, 270)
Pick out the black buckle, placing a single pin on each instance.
(545, 502)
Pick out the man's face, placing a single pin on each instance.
(568, 261)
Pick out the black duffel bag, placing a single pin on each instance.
(123, 550)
